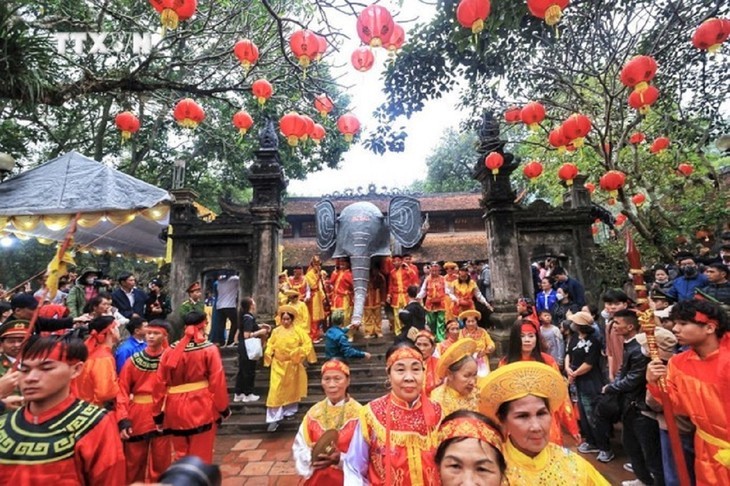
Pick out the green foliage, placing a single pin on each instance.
(451, 164)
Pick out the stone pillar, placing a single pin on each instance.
(182, 217)
(268, 181)
(576, 195)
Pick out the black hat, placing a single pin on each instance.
(157, 282)
(23, 301)
(657, 294)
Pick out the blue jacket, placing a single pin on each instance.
(121, 302)
(683, 288)
(125, 350)
(546, 302)
(336, 345)
(575, 290)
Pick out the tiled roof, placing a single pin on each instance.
(452, 201)
(461, 246)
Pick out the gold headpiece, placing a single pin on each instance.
(470, 313)
(464, 427)
(455, 352)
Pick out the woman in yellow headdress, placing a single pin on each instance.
(285, 352)
(396, 438)
(485, 344)
(459, 370)
(521, 397)
(336, 412)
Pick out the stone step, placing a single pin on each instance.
(363, 385)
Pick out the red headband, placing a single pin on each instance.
(703, 318)
(528, 327)
(426, 334)
(335, 365)
(470, 428)
(403, 353)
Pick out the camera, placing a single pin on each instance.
(192, 471)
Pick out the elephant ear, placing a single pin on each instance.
(325, 218)
(405, 220)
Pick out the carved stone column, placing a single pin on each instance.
(182, 217)
(268, 181)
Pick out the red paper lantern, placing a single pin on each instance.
(638, 199)
(621, 220)
(638, 72)
(246, 52)
(127, 123)
(318, 133)
(396, 40)
(262, 90)
(636, 138)
(685, 169)
(304, 45)
(323, 104)
(173, 11)
(612, 181)
(472, 14)
(558, 140)
(375, 25)
(293, 127)
(309, 128)
(494, 161)
(362, 58)
(321, 46)
(243, 122)
(512, 115)
(643, 100)
(188, 113)
(532, 114)
(711, 34)
(348, 125)
(659, 145)
(576, 127)
(590, 187)
(567, 173)
(532, 170)
(550, 10)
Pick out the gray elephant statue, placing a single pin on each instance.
(361, 232)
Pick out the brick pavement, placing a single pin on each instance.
(266, 460)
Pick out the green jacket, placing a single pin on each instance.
(190, 306)
(5, 364)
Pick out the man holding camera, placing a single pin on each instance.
(87, 286)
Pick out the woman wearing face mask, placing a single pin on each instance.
(564, 305)
(396, 438)
(458, 368)
(470, 451)
(521, 397)
(426, 343)
(525, 345)
(336, 412)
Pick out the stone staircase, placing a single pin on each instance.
(366, 383)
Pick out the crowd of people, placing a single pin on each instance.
(100, 367)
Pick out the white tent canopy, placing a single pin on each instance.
(118, 212)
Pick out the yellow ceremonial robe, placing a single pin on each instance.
(554, 466)
(285, 352)
(316, 295)
(451, 400)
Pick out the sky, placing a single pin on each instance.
(361, 167)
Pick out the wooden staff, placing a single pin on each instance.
(648, 325)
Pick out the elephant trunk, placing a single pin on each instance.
(360, 266)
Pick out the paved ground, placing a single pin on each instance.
(266, 460)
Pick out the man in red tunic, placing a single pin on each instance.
(401, 277)
(194, 394)
(343, 291)
(148, 452)
(97, 383)
(56, 438)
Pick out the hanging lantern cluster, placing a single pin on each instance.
(637, 74)
(549, 10)
(558, 140)
(304, 44)
(323, 105)
(532, 114)
(127, 123)
(471, 14)
(318, 133)
(638, 199)
(611, 182)
(243, 121)
(295, 127)
(513, 115)
(395, 41)
(246, 52)
(188, 113)
(362, 58)
(576, 128)
(173, 11)
(348, 125)
(659, 145)
(532, 170)
(685, 169)
(567, 172)
(493, 161)
(711, 34)
(376, 28)
(262, 90)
